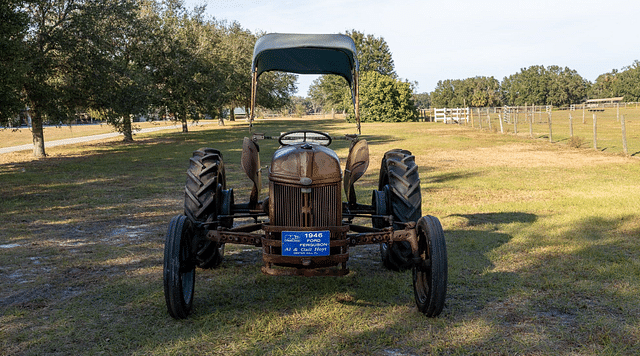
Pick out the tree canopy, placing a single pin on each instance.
(117, 59)
(383, 97)
(625, 83)
(477, 91)
(544, 86)
(538, 85)
(120, 59)
(13, 29)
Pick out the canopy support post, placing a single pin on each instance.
(254, 85)
(357, 100)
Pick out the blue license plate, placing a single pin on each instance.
(305, 243)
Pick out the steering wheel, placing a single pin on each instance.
(299, 136)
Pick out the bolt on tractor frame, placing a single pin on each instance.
(303, 226)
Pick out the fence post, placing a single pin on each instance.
(549, 121)
(515, 122)
(583, 108)
(531, 120)
(570, 125)
(500, 119)
(540, 115)
(624, 136)
(489, 119)
(595, 132)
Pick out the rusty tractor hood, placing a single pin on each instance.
(305, 164)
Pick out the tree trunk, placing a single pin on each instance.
(232, 114)
(126, 129)
(185, 128)
(38, 135)
(221, 116)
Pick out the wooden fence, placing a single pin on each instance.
(449, 115)
(605, 127)
(608, 128)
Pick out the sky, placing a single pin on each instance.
(457, 39)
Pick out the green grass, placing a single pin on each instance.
(608, 127)
(22, 136)
(542, 239)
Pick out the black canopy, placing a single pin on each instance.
(306, 54)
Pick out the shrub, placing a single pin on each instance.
(575, 142)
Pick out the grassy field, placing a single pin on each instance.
(543, 244)
(608, 127)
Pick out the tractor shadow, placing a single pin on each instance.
(239, 281)
(474, 281)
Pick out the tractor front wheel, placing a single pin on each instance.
(179, 268)
(430, 276)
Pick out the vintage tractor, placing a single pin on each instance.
(303, 226)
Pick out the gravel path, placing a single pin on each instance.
(73, 140)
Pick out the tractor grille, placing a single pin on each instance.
(291, 207)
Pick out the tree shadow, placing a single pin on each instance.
(498, 218)
(448, 177)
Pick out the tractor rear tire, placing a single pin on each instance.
(203, 189)
(399, 173)
(179, 268)
(430, 276)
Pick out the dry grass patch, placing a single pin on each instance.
(542, 241)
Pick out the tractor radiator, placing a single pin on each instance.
(291, 207)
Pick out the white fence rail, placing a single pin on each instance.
(448, 115)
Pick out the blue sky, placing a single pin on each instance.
(457, 39)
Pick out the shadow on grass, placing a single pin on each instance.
(473, 282)
(448, 177)
(88, 230)
(290, 313)
(579, 286)
(498, 218)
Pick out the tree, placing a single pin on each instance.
(485, 91)
(114, 60)
(327, 92)
(236, 52)
(49, 44)
(476, 91)
(186, 68)
(373, 55)
(566, 86)
(385, 99)
(176, 67)
(604, 86)
(629, 84)
(444, 93)
(300, 106)
(275, 90)
(69, 50)
(13, 28)
(382, 96)
(422, 100)
(625, 83)
(544, 86)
